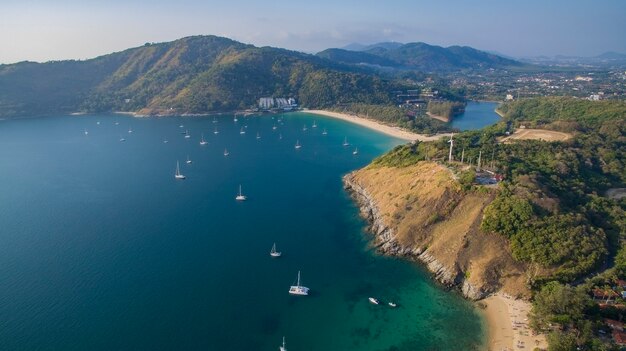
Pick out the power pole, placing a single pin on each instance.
(451, 141)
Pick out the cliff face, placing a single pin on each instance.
(420, 212)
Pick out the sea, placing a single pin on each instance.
(101, 248)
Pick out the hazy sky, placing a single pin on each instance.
(39, 30)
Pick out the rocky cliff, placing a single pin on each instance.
(420, 212)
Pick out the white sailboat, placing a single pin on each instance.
(214, 120)
(117, 123)
(216, 131)
(122, 139)
(345, 141)
(283, 347)
(187, 135)
(226, 153)
(356, 151)
(275, 253)
(240, 197)
(188, 160)
(235, 119)
(274, 127)
(178, 175)
(258, 136)
(304, 128)
(298, 146)
(86, 132)
(280, 136)
(324, 132)
(242, 131)
(130, 130)
(314, 124)
(202, 141)
(298, 289)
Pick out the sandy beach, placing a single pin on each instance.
(507, 320)
(378, 126)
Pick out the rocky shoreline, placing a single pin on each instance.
(386, 243)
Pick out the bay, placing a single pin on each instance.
(478, 114)
(102, 249)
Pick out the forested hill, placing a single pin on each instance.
(420, 56)
(191, 75)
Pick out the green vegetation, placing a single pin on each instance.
(390, 114)
(198, 74)
(550, 205)
(446, 109)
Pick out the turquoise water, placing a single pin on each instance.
(102, 249)
(477, 115)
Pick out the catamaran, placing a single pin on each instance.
(298, 289)
(240, 197)
(275, 253)
(345, 141)
(298, 146)
(202, 141)
(178, 175)
(283, 348)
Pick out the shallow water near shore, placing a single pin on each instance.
(102, 249)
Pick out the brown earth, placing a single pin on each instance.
(421, 212)
(536, 134)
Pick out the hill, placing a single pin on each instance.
(420, 56)
(197, 74)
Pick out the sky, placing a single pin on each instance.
(44, 30)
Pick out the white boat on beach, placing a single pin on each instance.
(178, 175)
(240, 196)
(298, 289)
(374, 301)
(273, 251)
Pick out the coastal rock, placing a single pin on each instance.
(420, 213)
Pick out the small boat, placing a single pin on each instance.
(314, 124)
(122, 139)
(298, 146)
(216, 131)
(187, 135)
(345, 141)
(275, 253)
(324, 132)
(178, 175)
(235, 119)
(304, 128)
(181, 126)
(356, 151)
(165, 141)
(214, 120)
(258, 136)
(130, 130)
(117, 123)
(242, 131)
(274, 127)
(392, 304)
(98, 123)
(226, 153)
(86, 132)
(374, 301)
(202, 141)
(299, 289)
(188, 160)
(283, 347)
(280, 136)
(240, 196)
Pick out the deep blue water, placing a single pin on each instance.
(102, 249)
(477, 115)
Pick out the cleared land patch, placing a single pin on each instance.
(536, 134)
